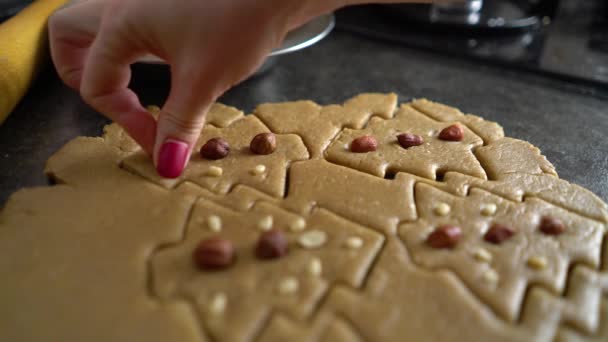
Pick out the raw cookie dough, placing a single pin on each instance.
(107, 254)
(581, 242)
(431, 159)
(303, 117)
(238, 167)
(254, 286)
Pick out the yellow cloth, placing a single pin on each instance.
(23, 47)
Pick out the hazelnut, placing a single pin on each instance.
(363, 144)
(213, 253)
(551, 226)
(216, 148)
(408, 140)
(498, 233)
(271, 245)
(452, 133)
(263, 143)
(445, 236)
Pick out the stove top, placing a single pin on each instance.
(565, 39)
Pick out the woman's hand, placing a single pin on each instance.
(210, 45)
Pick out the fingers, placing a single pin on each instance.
(72, 30)
(100, 72)
(181, 121)
(105, 80)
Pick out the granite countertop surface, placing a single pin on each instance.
(568, 125)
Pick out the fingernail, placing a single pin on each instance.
(172, 158)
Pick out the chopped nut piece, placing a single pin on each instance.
(214, 223)
(354, 242)
(442, 209)
(288, 285)
(482, 255)
(213, 253)
(215, 148)
(444, 237)
(488, 209)
(364, 144)
(537, 262)
(498, 233)
(265, 224)
(263, 143)
(407, 140)
(154, 109)
(214, 171)
(258, 170)
(271, 245)
(490, 276)
(315, 267)
(452, 133)
(551, 226)
(297, 225)
(217, 306)
(312, 239)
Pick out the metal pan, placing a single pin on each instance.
(300, 38)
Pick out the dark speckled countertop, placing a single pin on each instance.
(569, 126)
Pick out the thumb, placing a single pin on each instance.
(180, 123)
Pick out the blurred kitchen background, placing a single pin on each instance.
(561, 38)
(10, 7)
(567, 39)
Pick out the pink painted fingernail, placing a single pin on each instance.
(172, 158)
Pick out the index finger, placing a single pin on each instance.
(105, 82)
